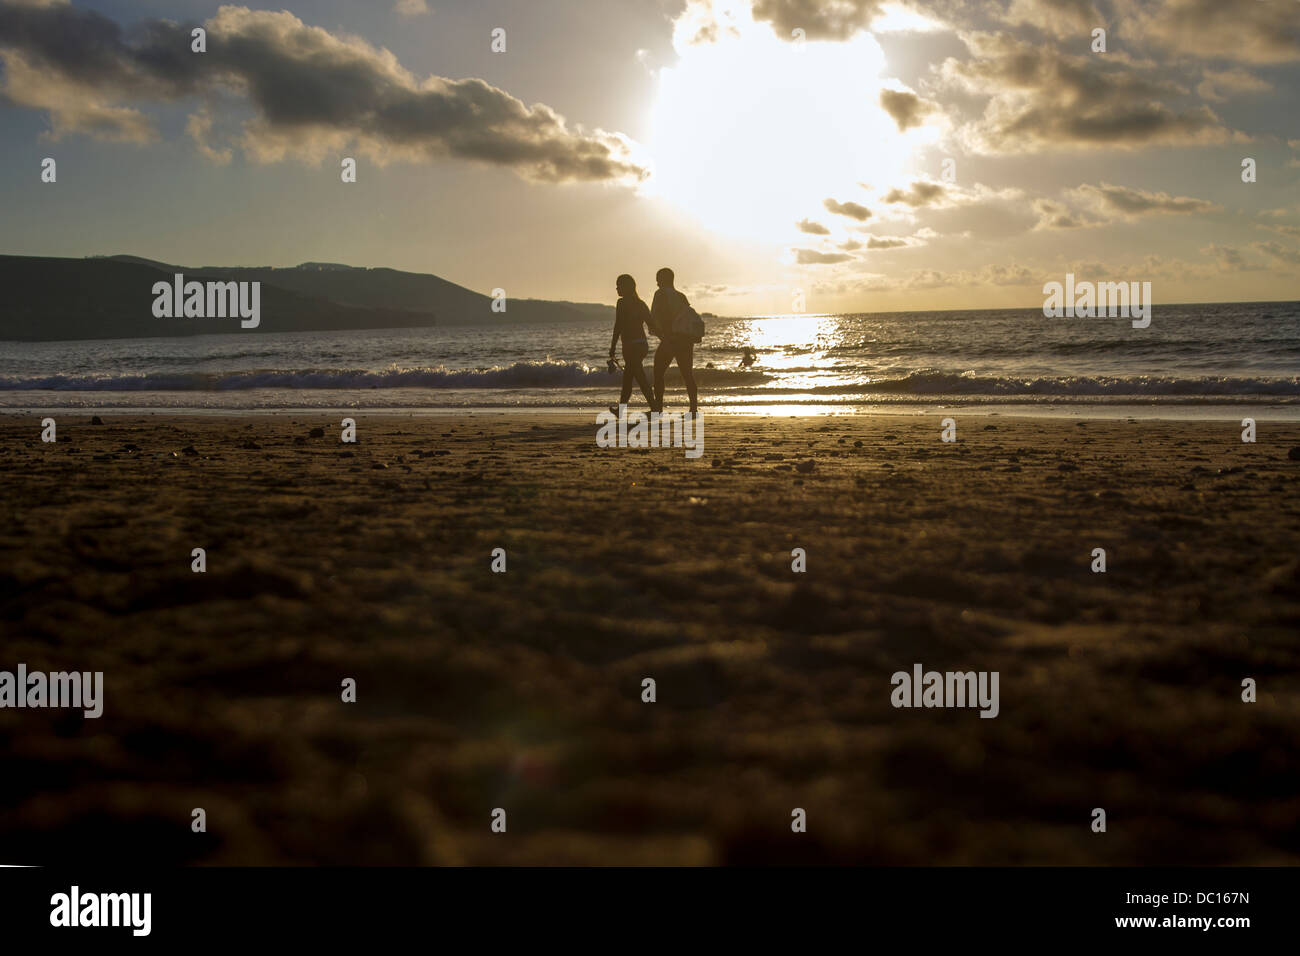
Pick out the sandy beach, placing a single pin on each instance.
(523, 690)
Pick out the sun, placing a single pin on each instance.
(750, 133)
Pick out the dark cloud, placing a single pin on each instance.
(907, 109)
(885, 242)
(1041, 98)
(1219, 86)
(812, 228)
(313, 93)
(851, 209)
(1278, 252)
(1228, 258)
(1255, 32)
(86, 47)
(808, 257)
(1127, 202)
(920, 193)
(1055, 215)
(992, 274)
(1062, 17)
(1007, 275)
(819, 19)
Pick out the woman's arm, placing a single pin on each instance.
(614, 341)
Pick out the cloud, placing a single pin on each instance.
(812, 228)
(1218, 86)
(1282, 229)
(920, 193)
(1055, 215)
(1282, 212)
(851, 209)
(990, 274)
(1227, 258)
(313, 94)
(411, 8)
(951, 210)
(714, 291)
(807, 257)
(199, 128)
(1278, 252)
(1254, 32)
(1042, 99)
(819, 19)
(1131, 203)
(906, 108)
(1095, 205)
(72, 107)
(886, 242)
(1060, 17)
(1008, 275)
(930, 279)
(706, 21)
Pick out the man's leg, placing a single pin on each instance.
(663, 358)
(685, 365)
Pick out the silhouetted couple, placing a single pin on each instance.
(630, 319)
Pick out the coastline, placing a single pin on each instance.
(1099, 411)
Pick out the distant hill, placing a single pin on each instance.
(111, 297)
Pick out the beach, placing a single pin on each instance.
(523, 690)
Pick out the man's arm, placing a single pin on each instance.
(656, 311)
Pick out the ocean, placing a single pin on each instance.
(1224, 356)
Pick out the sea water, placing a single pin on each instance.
(1225, 356)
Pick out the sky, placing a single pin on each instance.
(779, 155)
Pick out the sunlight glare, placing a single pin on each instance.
(751, 133)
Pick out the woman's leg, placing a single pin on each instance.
(632, 371)
(629, 373)
(646, 389)
(685, 364)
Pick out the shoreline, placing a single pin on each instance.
(1186, 412)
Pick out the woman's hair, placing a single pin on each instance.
(626, 279)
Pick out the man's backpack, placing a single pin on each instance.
(687, 324)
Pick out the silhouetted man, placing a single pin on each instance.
(667, 306)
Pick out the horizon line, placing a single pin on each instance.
(754, 315)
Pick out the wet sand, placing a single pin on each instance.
(522, 690)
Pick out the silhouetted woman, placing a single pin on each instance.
(630, 317)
